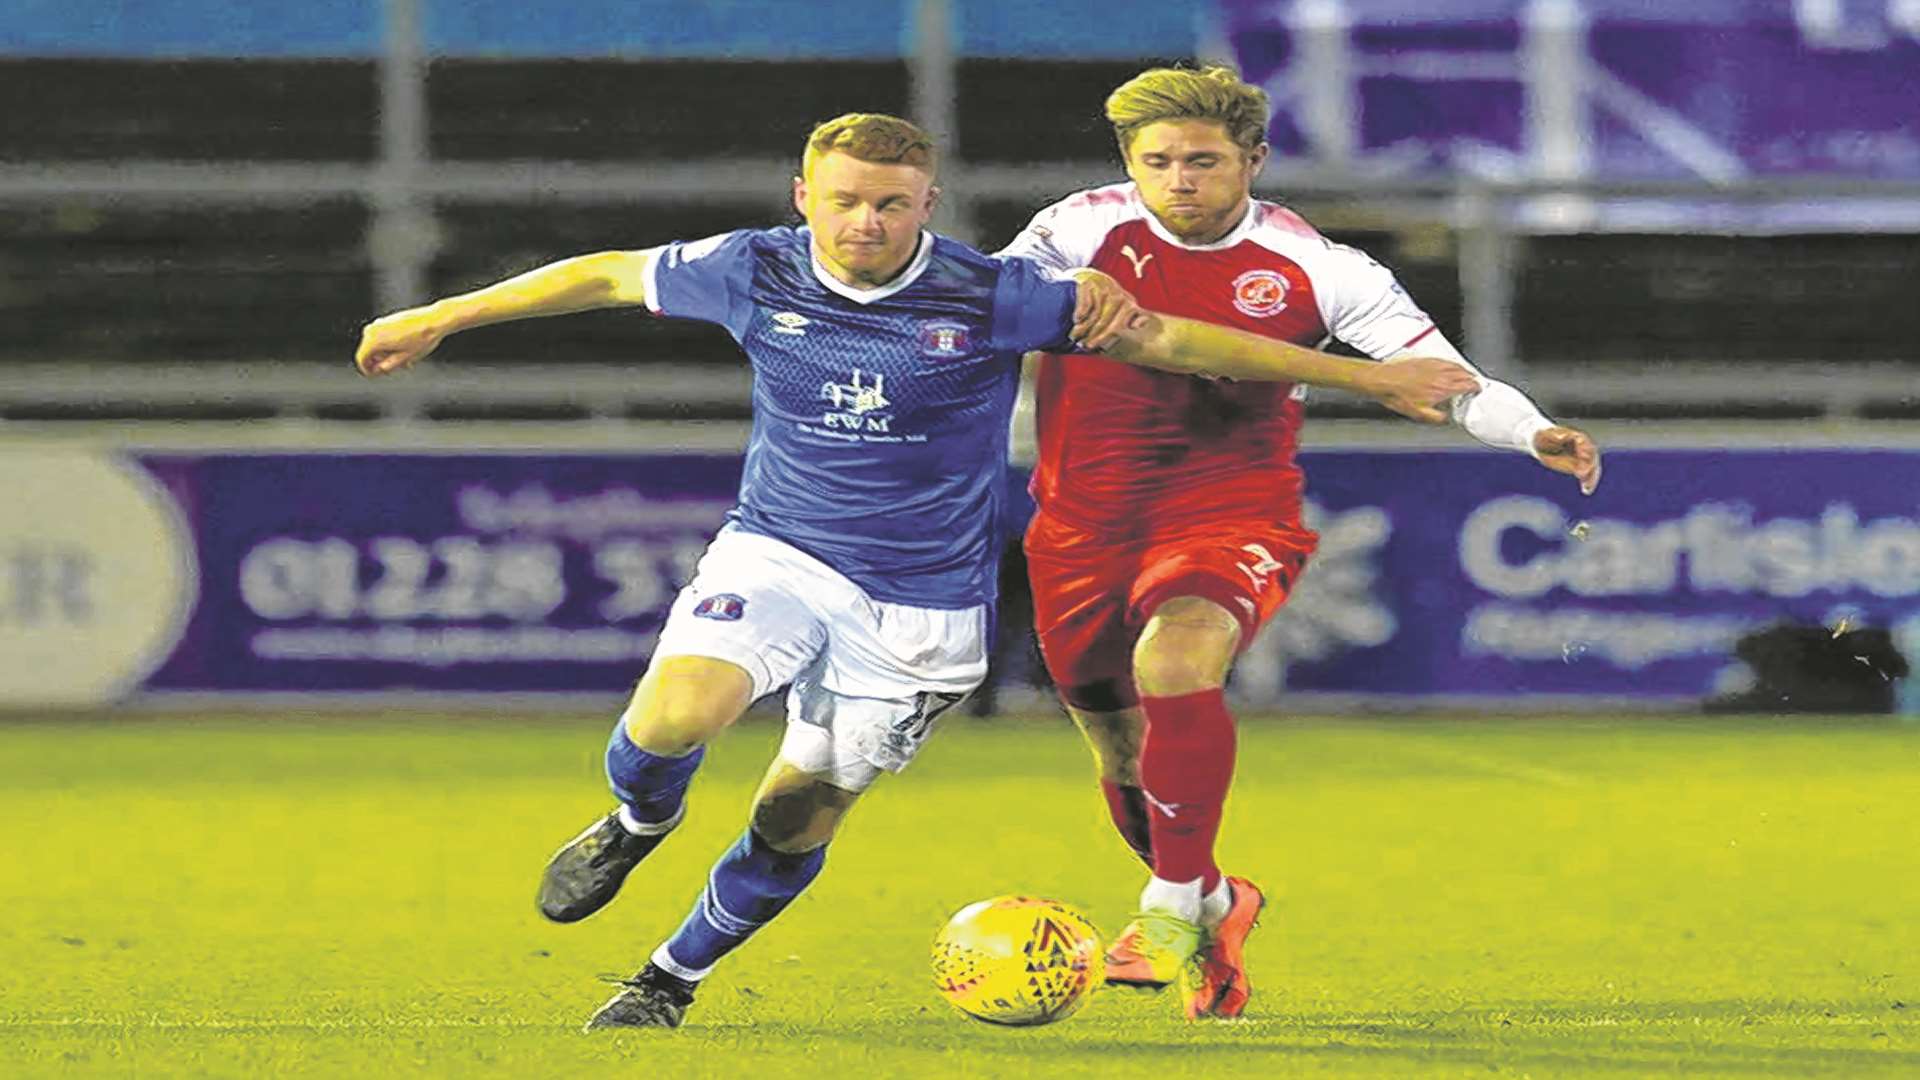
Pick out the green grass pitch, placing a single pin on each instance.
(233, 896)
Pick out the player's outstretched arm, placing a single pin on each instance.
(1568, 450)
(1413, 388)
(582, 283)
(1500, 416)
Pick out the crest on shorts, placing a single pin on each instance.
(725, 607)
(944, 338)
(1260, 293)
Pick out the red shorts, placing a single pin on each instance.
(1091, 598)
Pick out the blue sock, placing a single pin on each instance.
(749, 886)
(653, 786)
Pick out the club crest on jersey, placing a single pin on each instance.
(944, 339)
(1260, 293)
(725, 607)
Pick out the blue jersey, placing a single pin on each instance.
(880, 415)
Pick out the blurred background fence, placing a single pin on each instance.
(1689, 226)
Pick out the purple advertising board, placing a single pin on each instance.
(1448, 575)
(447, 572)
(1464, 574)
(1720, 89)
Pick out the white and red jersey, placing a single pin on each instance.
(1127, 449)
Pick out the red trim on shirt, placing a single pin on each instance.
(1418, 336)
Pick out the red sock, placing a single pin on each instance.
(1127, 805)
(1186, 766)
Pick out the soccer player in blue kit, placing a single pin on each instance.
(859, 566)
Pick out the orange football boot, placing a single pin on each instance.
(1155, 950)
(1219, 985)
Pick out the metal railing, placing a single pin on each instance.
(403, 186)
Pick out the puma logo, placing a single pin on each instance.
(1139, 261)
(1171, 809)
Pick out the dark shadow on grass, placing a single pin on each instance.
(1628, 1040)
(1731, 1012)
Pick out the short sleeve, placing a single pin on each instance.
(1067, 235)
(709, 280)
(1032, 308)
(1040, 243)
(1364, 305)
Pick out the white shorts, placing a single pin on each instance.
(868, 678)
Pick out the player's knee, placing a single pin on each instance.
(791, 838)
(672, 732)
(1173, 675)
(1185, 650)
(684, 702)
(800, 819)
(675, 723)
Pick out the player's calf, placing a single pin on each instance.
(796, 812)
(1114, 736)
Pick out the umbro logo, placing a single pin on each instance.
(790, 322)
(1139, 261)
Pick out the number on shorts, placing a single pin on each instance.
(1264, 564)
(929, 705)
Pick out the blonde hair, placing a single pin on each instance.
(874, 137)
(1211, 93)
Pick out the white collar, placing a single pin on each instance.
(1249, 221)
(915, 267)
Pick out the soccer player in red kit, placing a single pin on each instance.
(1168, 530)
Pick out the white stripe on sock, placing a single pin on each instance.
(719, 917)
(637, 827)
(664, 960)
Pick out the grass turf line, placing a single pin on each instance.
(253, 896)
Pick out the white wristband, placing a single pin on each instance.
(1501, 417)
